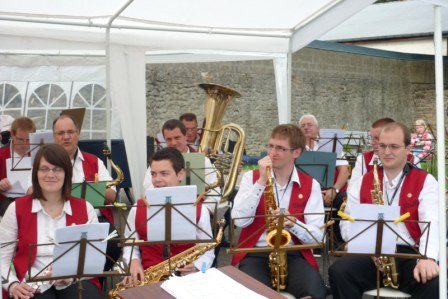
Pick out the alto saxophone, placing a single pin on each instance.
(164, 269)
(118, 171)
(277, 260)
(385, 264)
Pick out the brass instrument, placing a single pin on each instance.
(385, 264)
(164, 269)
(215, 139)
(118, 171)
(277, 260)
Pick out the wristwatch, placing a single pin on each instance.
(335, 190)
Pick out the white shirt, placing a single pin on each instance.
(427, 211)
(339, 160)
(204, 223)
(248, 197)
(360, 168)
(46, 226)
(210, 178)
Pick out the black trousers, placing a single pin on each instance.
(90, 291)
(351, 276)
(303, 280)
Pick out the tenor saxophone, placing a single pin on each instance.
(277, 260)
(164, 269)
(385, 264)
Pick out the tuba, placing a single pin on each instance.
(385, 264)
(216, 138)
(277, 260)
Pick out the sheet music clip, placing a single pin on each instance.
(110, 236)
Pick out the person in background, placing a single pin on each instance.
(20, 146)
(333, 197)
(364, 162)
(191, 125)
(167, 170)
(298, 194)
(421, 141)
(33, 220)
(414, 191)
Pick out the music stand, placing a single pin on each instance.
(195, 171)
(37, 139)
(277, 248)
(373, 231)
(77, 250)
(171, 219)
(93, 192)
(319, 165)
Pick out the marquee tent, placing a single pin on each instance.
(120, 34)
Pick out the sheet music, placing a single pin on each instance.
(181, 228)
(366, 241)
(18, 178)
(211, 284)
(326, 140)
(68, 263)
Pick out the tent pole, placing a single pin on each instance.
(440, 110)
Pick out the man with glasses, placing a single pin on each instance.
(415, 191)
(20, 145)
(191, 125)
(295, 192)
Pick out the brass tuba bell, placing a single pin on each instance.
(216, 138)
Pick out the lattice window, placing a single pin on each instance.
(11, 100)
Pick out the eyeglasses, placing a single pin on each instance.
(307, 125)
(277, 148)
(62, 133)
(392, 147)
(191, 129)
(56, 170)
(21, 140)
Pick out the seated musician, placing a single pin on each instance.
(20, 146)
(297, 193)
(191, 125)
(415, 191)
(167, 170)
(33, 220)
(175, 135)
(334, 196)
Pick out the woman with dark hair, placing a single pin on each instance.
(34, 219)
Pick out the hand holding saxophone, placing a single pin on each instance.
(137, 275)
(289, 220)
(263, 165)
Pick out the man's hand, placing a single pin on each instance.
(426, 270)
(288, 221)
(110, 196)
(329, 196)
(137, 274)
(21, 291)
(262, 164)
(187, 269)
(5, 185)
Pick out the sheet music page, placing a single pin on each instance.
(94, 260)
(211, 284)
(18, 178)
(326, 140)
(181, 228)
(366, 241)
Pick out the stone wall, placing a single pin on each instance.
(339, 87)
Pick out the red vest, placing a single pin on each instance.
(90, 168)
(410, 192)
(249, 235)
(27, 231)
(5, 153)
(153, 254)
